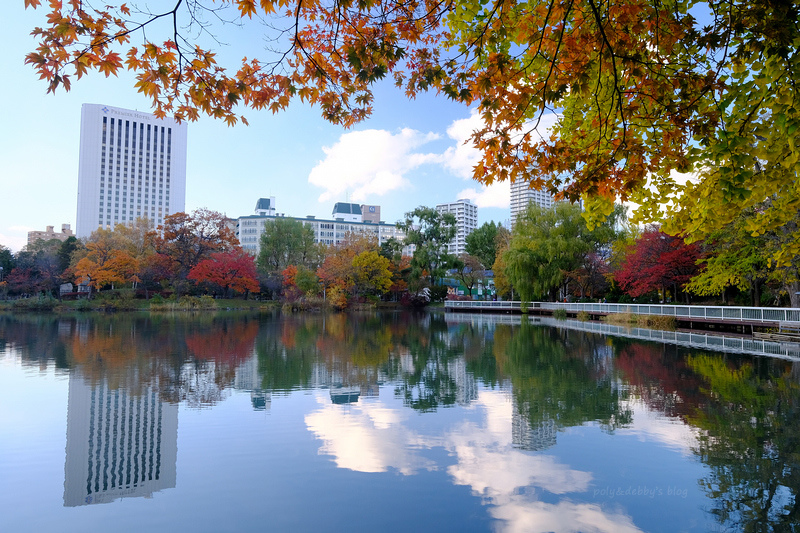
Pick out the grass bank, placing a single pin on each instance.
(644, 321)
(114, 303)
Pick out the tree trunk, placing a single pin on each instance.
(793, 288)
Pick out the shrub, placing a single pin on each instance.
(560, 314)
(645, 321)
(37, 303)
(583, 316)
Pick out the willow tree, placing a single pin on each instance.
(634, 91)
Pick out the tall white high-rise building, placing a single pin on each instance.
(466, 214)
(522, 195)
(131, 165)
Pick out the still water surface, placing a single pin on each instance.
(386, 422)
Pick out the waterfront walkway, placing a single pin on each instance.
(684, 314)
(715, 342)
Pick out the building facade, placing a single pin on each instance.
(131, 165)
(49, 234)
(371, 213)
(266, 206)
(466, 214)
(347, 212)
(522, 195)
(326, 231)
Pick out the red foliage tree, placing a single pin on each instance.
(658, 261)
(235, 270)
(188, 239)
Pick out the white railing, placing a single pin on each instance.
(683, 312)
(714, 342)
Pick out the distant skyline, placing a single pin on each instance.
(409, 153)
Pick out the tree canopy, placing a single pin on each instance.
(429, 231)
(633, 91)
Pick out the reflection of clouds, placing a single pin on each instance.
(496, 472)
(371, 437)
(366, 437)
(492, 467)
(654, 426)
(563, 517)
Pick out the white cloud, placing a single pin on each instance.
(461, 158)
(370, 163)
(497, 194)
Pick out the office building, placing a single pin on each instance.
(466, 214)
(131, 165)
(522, 195)
(326, 231)
(49, 234)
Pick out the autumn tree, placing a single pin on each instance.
(430, 232)
(337, 271)
(372, 273)
(657, 263)
(37, 268)
(230, 271)
(633, 92)
(188, 239)
(103, 261)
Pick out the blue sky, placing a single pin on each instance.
(409, 153)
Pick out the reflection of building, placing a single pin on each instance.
(343, 394)
(248, 379)
(466, 214)
(346, 383)
(119, 444)
(529, 437)
(131, 165)
(466, 386)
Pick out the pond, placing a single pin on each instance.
(386, 421)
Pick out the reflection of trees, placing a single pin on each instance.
(559, 377)
(36, 338)
(186, 357)
(286, 353)
(751, 442)
(659, 375)
(426, 379)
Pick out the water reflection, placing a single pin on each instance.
(120, 443)
(508, 411)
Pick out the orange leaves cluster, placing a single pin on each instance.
(334, 52)
(628, 85)
(79, 37)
